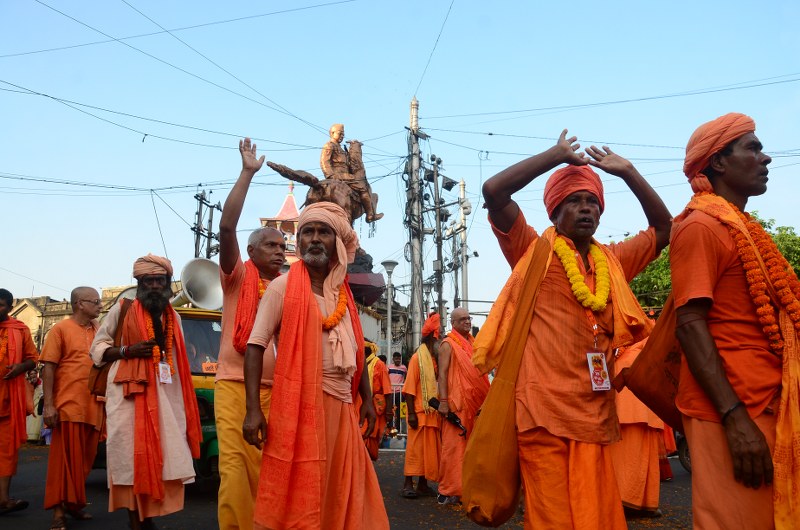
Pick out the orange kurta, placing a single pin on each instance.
(705, 264)
(467, 388)
(13, 432)
(424, 444)
(563, 424)
(74, 440)
(381, 393)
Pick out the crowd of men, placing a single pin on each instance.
(298, 393)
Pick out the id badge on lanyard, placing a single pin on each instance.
(164, 373)
(598, 369)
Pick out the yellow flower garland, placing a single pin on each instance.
(598, 300)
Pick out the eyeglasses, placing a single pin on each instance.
(96, 301)
(464, 319)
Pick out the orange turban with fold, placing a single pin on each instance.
(567, 181)
(151, 264)
(708, 140)
(431, 326)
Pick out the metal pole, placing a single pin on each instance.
(209, 233)
(462, 194)
(198, 223)
(438, 264)
(415, 228)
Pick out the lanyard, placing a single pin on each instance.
(592, 324)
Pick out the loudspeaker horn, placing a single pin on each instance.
(201, 286)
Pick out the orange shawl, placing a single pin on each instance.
(138, 377)
(630, 323)
(467, 396)
(295, 452)
(246, 306)
(16, 387)
(786, 485)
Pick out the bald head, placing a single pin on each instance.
(461, 321)
(259, 233)
(85, 301)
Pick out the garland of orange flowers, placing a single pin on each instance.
(169, 334)
(341, 306)
(598, 300)
(3, 345)
(780, 273)
(261, 287)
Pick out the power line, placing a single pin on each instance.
(187, 72)
(158, 223)
(737, 86)
(434, 47)
(553, 138)
(195, 50)
(35, 280)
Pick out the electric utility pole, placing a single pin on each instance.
(465, 209)
(415, 224)
(438, 265)
(200, 231)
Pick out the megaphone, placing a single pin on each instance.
(201, 285)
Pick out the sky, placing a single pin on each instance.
(114, 114)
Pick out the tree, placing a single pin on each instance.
(654, 283)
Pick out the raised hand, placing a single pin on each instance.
(250, 162)
(568, 148)
(609, 161)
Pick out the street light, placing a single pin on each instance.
(389, 266)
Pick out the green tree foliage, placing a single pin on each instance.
(653, 284)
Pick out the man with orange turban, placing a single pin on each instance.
(243, 284)
(74, 415)
(315, 471)
(583, 310)
(424, 445)
(737, 320)
(152, 420)
(17, 356)
(462, 389)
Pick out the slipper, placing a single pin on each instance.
(80, 515)
(408, 493)
(13, 505)
(59, 523)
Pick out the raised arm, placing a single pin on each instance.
(497, 191)
(654, 209)
(228, 243)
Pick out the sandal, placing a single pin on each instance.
(59, 523)
(13, 505)
(427, 491)
(408, 493)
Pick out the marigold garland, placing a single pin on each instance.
(3, 345)
(261, 287)
(168, 338)
(341, 306)
(598, 300)
(780, 275)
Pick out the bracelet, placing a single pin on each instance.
(728, 412)
(122, 351)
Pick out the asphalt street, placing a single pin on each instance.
(200, 506)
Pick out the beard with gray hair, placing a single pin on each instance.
(316, 260)
(154, 300)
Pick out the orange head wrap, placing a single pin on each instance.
(567, 181)
(431, 326)
(708, 140)
(151, 264)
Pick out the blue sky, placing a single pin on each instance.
(637, 76)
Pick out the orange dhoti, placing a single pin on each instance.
(453, 447)
(72, 452)
(718, 501)
(423, 447)
(568, 484)
(636, 466)
(351, 497)
(123, 497)
(9, 452)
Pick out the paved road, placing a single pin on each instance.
(200, 509)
